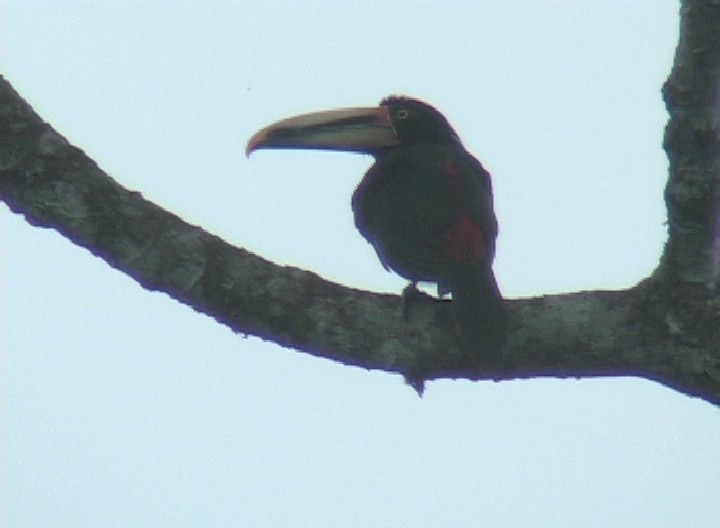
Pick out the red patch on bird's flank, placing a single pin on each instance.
(465, 241)
(450, 167)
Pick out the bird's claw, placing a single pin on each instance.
(411, 294)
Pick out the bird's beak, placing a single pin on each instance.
(347, 129)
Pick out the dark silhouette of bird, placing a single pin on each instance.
(425, 205)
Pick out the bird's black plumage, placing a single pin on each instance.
(426, 204)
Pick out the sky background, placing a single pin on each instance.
(122, 407)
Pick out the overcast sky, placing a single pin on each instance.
(122, 407)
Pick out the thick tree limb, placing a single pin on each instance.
(667, 328)
(692, 96)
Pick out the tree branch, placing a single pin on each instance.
(692, 96)
(666, 328)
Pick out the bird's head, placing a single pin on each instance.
(397, 121)
(417, 122)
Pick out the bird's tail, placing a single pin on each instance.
(478, 310)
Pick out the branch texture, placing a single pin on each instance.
(667, 328)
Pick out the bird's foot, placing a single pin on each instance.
(411, 294)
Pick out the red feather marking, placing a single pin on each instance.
(450, 167)
(465, 241)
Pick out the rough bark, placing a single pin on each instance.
(667, 328)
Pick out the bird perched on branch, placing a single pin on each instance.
(425, 205)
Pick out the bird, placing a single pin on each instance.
(425, 205)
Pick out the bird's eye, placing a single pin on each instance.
(402, 114)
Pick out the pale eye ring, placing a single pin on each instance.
(402, 114)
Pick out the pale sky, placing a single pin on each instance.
(122, 407)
